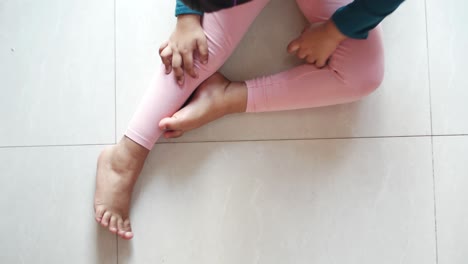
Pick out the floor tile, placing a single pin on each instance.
(451, 172)
(448, 38)
(57, 72)
(47, 207)
(318, 201)
(399, 107)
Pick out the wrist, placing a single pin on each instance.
(334, 32)
(188, 18)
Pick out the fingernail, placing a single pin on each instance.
(205, 62)
(180, 82)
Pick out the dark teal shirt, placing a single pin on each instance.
(354, 20)
(182, 9)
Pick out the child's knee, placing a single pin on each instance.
(318, 10)
(363, 74)
(365, 83)
(361, 63)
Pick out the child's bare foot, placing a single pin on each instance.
(117, 171)
(213, 99)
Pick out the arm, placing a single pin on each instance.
(359, 17)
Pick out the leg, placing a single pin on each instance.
(120, 165)
(224, 30)
(354, 71)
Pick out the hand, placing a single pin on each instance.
(317, 43)
(177, 52)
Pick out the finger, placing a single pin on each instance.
(203, 50)
(294, 46)
(177, 66)
(302, 53)
(166, 55)
(310, 59)
(321, 63)
(173, 134)
(188, 64)
(163, 46)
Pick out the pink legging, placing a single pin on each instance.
(354, 70)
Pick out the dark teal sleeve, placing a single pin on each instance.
(356, 19)
(182, 9)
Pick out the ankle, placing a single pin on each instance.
(130, 154)
(236, 97)
(133, 148)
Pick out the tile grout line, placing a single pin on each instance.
(450, 135)
(115, 73)
(435, 201)
(292, 139)
(428, 71)
(234, 141)
(59, 145)
(432, 134)
(115, 108)
(310, 139)
(117, 248)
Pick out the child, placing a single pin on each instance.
(344, 55)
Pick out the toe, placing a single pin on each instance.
(127, 230)
(164, 123)
(173, 134)
(113, 224)
(170, 123)
(126, 226)
(120, 226)
(180, 120)
(99, 212)
(105, 219)
(128, 235)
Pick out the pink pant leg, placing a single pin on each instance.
(355, 70)
(224, 30)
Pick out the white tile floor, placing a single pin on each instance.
(279, 189)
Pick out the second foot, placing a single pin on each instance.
(213, 99)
